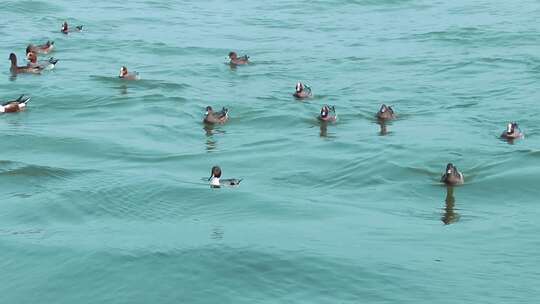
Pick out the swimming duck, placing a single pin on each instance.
(302, 91)
(386, 113)
(65, 28)
(328, 114)
(212, 117)
(124, 74)
(16, 105)
(512, 131)
(41, 49)
(235, 60)
(48, 64)
(15, 69)
(452, 176)
(216, 181)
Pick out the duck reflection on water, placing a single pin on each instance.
(449, 214)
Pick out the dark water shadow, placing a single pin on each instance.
(211, 130)
(383, 131)
(123, 89)
(233, 67)
(510, 141)
(450, 216)
(217, 233)
(323, 130)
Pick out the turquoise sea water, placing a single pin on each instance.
(103, 197)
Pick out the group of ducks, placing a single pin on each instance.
(452, 176)
(32, 51)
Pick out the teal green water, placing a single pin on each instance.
(102, 193)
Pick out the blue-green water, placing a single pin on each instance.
(102, 193)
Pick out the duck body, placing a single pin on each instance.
(328, 114)
(216, 181)
(48, 64)
(41, 49)
(131, 76)
(512, 132)
(385, 113)
(452, 176)
(302, 91)
(212, 117)
(235, 60)
(15, 69)
(126, 75)
(15, 105)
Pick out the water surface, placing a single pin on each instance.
(103, 192)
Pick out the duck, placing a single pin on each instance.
(124, 74)
(386, 113)
(65, 28)
(512, 131)
(48, 64)
(15, 69)
(16, 105)
(328, 114)
(211, 117)
(452, 176)
(41, 49)
(216, 181)
(235, 60)
(302, 91)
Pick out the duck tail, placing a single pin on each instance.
(23, 99)
(79, 27)
(53, 60)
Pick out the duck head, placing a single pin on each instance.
(299, 87)
(65, 27)
(209, 110)
(451, 169)
(32, 57)
(325, 111)
(29, 48)
(385, 112)
(13, 58)
(511, 128)
(233, 55)
(123, 72)
(216, 172)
